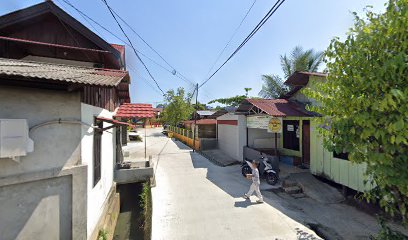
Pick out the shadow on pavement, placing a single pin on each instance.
(181, 145)
(230, 180)
(244, 203)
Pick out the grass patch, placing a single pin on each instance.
(146, 204)
(103, 234)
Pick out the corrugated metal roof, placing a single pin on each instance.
(63, 73)
(205, 113)
(202, 122)
(135, 110)
(276, 107)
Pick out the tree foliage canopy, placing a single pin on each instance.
(366, 97)
(273, 87)
(231, 101)
(298, 60)
(177, 107)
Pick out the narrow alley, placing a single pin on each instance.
(195, 199)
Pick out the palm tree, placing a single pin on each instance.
(247, 91)
(273, 87)
(298, 60)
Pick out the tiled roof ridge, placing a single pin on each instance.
(64, 65)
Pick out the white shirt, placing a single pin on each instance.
(255, 174)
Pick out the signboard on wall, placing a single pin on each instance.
(275, 125)
(290, 128)
(272, 124)
(260, 122)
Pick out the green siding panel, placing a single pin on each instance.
(338, 170)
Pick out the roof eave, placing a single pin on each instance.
(49, 6)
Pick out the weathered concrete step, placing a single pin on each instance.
(293, 190)
(298, 195)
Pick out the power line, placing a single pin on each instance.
(145, 80)
(137, 55)
(232, 36)
(85, 16)
(253, 32)
(141, 38)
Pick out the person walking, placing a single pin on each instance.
(255, 182)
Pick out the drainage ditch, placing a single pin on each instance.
(131, 219)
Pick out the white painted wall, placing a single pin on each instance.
(55, 145)
(232, 138)
(44, 191)
(97, 195)
(261, 138)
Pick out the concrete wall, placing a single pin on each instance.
(59, 142)
(97, 195)
(33, 206)
(232, 138)
(261, 138)
(208, 143)
(44, 195)
(49, 204)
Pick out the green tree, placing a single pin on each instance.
(231, 101)
(298, 60)
(177, 107)
(247, 91)
(366, 97)
(273, 87)
(200, 106)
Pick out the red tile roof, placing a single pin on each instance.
(202, 122)
(276, 107)
(135, 110)
(121, 50)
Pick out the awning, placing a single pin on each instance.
(113, 122)
(135, 110)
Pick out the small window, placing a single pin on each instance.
(343, 155)
(97, 145)
(291, 139)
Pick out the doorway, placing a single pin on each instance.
(306, 143)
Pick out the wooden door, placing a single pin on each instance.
(306, 143)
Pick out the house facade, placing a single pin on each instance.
(60, 85)
(245, 134)
(333, 166)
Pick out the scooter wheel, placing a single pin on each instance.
(271, 178)
(246, 170)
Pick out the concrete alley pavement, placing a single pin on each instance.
(195, 199)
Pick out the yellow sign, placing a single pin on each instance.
(275, 125)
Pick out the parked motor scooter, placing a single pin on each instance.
(265, 170)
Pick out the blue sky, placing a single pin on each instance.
(190, 35)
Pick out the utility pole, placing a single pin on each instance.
(195, 119)
(145, 138)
